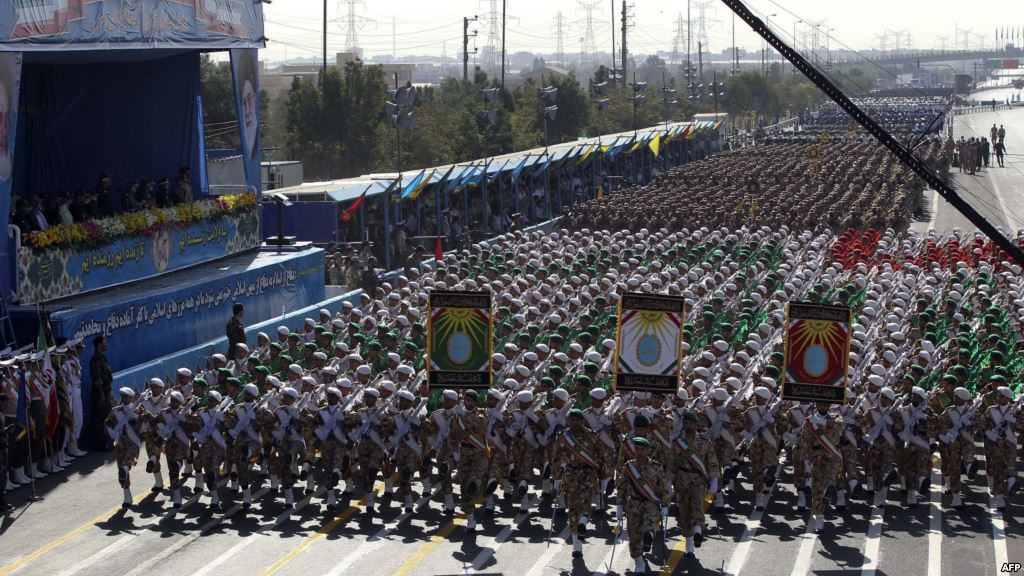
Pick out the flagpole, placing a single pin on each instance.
(33, 497)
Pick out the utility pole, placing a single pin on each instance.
(323, 71)
(503, 6)
(625, 26)
(465, 47)
(612, 73)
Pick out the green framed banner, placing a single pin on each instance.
(649, 343)
(459, 339)
(817, 352)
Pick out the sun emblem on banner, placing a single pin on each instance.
(819, 346)
(652, 331)
(463, 331)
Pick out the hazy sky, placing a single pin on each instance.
(432, 27)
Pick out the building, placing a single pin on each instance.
(541, 75)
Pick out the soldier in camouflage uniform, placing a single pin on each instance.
(956, 435)
(914, 428)
(819, 439)
(153, 402)
(763, 450)
(122, 425)
(694, 466)
(642, 488)
(242, 425)
(212, 445)
(999, 426)
(468, 445)
(174, 426)
(576, 458)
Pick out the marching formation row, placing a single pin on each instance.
(934, 365)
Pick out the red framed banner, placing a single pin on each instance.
(459, 337)
(649, 343)
(817, 350)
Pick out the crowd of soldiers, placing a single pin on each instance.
(808, 185)
(340, 408)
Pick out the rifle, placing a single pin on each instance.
(768, 418)
(561, 414)
(406, 426)
(957, 428)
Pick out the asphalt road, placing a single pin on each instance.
(997, 193)
(78, 529)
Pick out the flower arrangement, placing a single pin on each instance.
(147, 222)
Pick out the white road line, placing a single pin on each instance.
(621, 549)
(934, 209)
(935, 524)
(999, 537)
(543, 563)
(872, 543)
(124, 541)
(242, 544)
(146, 566)
(1002, 204)
(379, 539)
(803, 558)
(490, 546)
(753, 523)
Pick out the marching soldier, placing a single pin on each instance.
(791, 427)
(762, 443)
(330, 433)
(916, 427)
(404, 448)
(958, 444)
(122, 425)
(288, 444)
(468, 447)
(242, 425)
(524, 428)
(877, 425)
(498, 441)
(818, 439)
(644, 497)
(154, 401)
(370, 449)
(173, 425)
(999, 427)
(576, 459)
(695, 469)
(212, 444)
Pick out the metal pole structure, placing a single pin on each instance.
(613, 43)
(503, 5)
(398, 139)
(323, 71)
(465, 49)
(624, 51)
(904, 153)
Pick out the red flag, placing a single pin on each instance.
(347, 214)
(438, 250)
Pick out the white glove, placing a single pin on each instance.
(714, 485)
(664, 511)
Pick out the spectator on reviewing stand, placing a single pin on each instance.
(183, 187)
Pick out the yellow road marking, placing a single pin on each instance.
(673, 559)
(326, 528)
(21, 562)
(427, 547)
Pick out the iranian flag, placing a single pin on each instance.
(49, 376)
